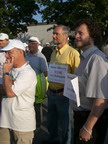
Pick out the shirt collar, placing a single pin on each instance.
(35, 54)
(18, 69)
(62, 49)
(89, 51)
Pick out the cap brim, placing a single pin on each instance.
(7, 48)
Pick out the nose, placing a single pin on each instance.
(77, 35)
(54, 35)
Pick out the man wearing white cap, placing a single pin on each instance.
(35, 39)
(17, 119)
(38, 62)
(4, 38)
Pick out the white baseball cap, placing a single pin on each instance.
(35, 39)
(47, 43)
(14, 44)
(3, 36)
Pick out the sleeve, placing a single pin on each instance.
(43, 64)
(24, 81)
(97, 84)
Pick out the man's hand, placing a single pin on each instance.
(85, 135)
(8, 65)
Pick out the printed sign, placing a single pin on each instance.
(56, 73)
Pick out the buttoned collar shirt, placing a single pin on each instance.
(64, 56)
(93, 77)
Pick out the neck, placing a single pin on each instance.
(59, 46)
(31, 53)
(19, 64)
(86, 47)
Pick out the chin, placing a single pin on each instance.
(55, 42)
(79, 45)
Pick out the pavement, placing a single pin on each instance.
(42, 134)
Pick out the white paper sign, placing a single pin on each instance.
(71, 88)
(56, 73)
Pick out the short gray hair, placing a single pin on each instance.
(65, 29)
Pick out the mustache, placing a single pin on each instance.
(76, 40)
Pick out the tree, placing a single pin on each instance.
(16, 15)
(68, 12)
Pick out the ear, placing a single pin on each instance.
(21, 52)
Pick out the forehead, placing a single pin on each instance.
(3, 40)
(12, 50)
(82, 28)
(58, 30)
(33, 42)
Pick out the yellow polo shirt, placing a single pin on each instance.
(64, 56)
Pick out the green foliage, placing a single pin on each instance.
(16, 15)
(68, 12)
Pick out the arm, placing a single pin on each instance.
(44, 66)
(96, 88)
(98, 107)
(7, 82)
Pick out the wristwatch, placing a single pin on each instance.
(6, 73)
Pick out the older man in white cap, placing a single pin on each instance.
(38, 62)
(4, 38)
(17, 118)
(35, 39)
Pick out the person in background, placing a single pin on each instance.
(4, 39)
(90, 119)
(58, 105)
(26, 47)
(17, 119)
(40, 47)
(47, 51)
(38, 62)
(105, 48)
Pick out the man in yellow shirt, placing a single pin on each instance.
(58, 105)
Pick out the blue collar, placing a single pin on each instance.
(89, 51)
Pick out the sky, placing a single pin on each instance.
(38, 16)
